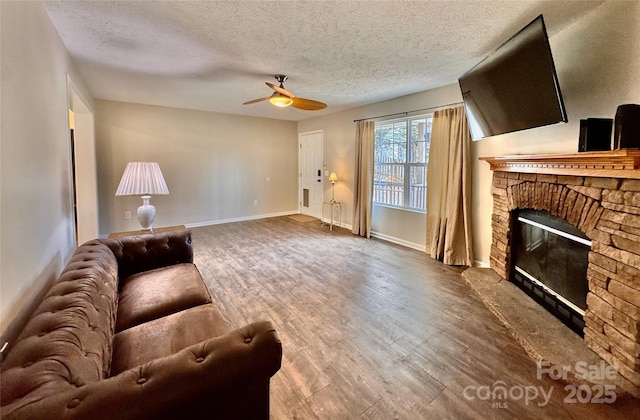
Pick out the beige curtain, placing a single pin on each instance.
(363, 188)
(449, 189)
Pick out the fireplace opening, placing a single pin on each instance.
(549, 263)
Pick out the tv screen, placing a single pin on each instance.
(514, 88)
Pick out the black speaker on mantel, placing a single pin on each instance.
(627, 132)
(595, 134)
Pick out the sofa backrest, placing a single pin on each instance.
(139, 253)
(67, 342)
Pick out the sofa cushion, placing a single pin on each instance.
(165, 336)
(160, 292)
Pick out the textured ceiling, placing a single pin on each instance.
(215, 55)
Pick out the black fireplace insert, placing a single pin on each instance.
(549, 262)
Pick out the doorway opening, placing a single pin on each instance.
(82, 165)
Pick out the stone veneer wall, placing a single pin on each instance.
(607, 210)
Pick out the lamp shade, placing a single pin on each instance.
(142, 178)
(333, 177)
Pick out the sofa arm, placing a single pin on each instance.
(146, 252)
(216, 377)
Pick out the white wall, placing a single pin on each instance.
(598, 62)
(36, 218)
(215, 165)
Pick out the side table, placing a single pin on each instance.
(334, 207)
(118, 235)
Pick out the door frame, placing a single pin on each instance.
(321, 132)
(84, 186)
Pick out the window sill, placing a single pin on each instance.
(388, 206)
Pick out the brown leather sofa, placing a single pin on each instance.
(129, 331)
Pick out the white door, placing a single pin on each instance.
(310, 164)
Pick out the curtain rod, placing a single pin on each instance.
(406, 113)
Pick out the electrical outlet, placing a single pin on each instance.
(255, 202)
(127, 215)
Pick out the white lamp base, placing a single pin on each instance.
(146, 213)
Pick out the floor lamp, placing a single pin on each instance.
(145, 179)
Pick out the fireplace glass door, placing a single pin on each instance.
(549, 260)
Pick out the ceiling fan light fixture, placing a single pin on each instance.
(283, 98)
(280, 100)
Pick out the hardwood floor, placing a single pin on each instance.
(373, 330)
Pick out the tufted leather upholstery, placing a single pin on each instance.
(60, 365)
(136, 254)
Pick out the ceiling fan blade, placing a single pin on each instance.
(308, 104)
(256, 100)
(278, 89)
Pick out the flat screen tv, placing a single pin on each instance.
(515, 87)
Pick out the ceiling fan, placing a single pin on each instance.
(283, 98)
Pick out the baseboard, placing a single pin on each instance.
(481, 264)
(326, 220)
(398, 241)
(241, 219)
(382, 236)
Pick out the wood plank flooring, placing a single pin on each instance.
(372, 330)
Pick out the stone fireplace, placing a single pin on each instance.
(599, 193)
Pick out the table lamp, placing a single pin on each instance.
(143, 178)
(333, 178)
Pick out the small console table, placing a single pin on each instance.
(334, 208)
(118, 235)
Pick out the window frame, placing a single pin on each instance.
(408, 164)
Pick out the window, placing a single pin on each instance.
(400, 162)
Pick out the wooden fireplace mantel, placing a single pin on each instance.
(624, 163)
